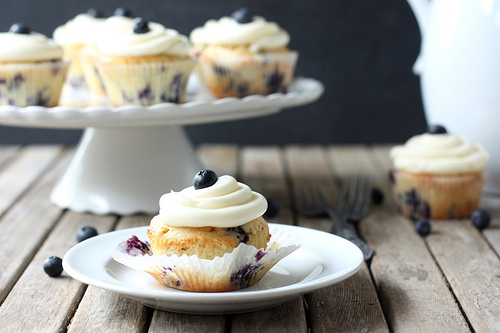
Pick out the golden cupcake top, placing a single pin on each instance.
(439, 152)
(143, 38)
(242, 28)
(21, 44)
(220, 202)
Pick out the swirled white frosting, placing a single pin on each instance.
(28, 47)
(225, 204)
(158, 40)
(439, 154)
(258, 34)
(82, 29)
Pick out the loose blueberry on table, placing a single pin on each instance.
(423, 227)
(204, 178)
(85, 233)
(242, 15)
(53, 266)
(436, 129)
(141, 26)
(20, 28)
(480, 218)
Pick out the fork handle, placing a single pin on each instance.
(345, 230)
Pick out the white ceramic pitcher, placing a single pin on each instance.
(459, 68)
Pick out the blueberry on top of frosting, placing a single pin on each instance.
(122, 11)
(437, 129)
(242, 15)
(141, 26)
(20, 28)
(97, 13)
(204, 178)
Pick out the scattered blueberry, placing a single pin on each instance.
(480, 218)
(273, 207)
(436, 129)
(53, 266)
(242, 15)
(204, 178)
(141, 26)
(377, 196)
(20, 28)
(423, 227)
(97, 13)
(122, 11)
(85, 233)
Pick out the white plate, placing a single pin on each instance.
(302, 91)
(323, 260)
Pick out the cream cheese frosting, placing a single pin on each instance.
(225, 204)
(82, 29)
(439, 154)
(258, 34)
(28, 47)
(158, 40)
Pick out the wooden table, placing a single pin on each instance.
(448, 281)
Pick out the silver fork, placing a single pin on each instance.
(352, 204)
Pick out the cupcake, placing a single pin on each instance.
(243, 55)
(145, 64)
(438, 175)
(74, 36)
(209, 237)
(32, 71)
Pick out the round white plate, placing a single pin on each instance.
(323, 260)
(302, 91)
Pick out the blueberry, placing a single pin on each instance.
(122, 11)
(480, 218)
(204, 178)
(20, 28)
(377, 196)
(85, 233)
(273, 208)
(53, 266)
(242, 15)
(423, 227)
(97, 13)
(141, 26)
(436, 129)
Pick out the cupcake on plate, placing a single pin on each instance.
(243, 55)
(74, 36)
(209, 237)
(438, 175)
(32, 71)
(145, 64)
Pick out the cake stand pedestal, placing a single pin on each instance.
(129, 156)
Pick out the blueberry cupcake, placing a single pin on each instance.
(209, 237)
(32, 71)
(438, 175)
(243, 55)
(74, 36)
(145, 64)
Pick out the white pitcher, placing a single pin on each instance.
(459, 68)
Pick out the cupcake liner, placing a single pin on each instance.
(88, 58)
(75, 79)
(40, 83)
(437, 196)
(146, 83)
(243, 75)
(242, 268)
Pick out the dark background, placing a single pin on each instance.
(362, 51)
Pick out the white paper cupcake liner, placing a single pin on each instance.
(242, 268)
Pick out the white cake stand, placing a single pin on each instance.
(129, 156)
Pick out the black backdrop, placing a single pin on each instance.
(362, 51)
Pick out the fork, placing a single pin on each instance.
(353, 204)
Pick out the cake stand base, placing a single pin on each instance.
(125, 171)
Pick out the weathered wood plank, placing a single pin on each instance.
(26, 224)
(6, 153)
(414, 294)
(39, 303)
(492, 204)
(349, 306)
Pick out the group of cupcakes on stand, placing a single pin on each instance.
(122, 60)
